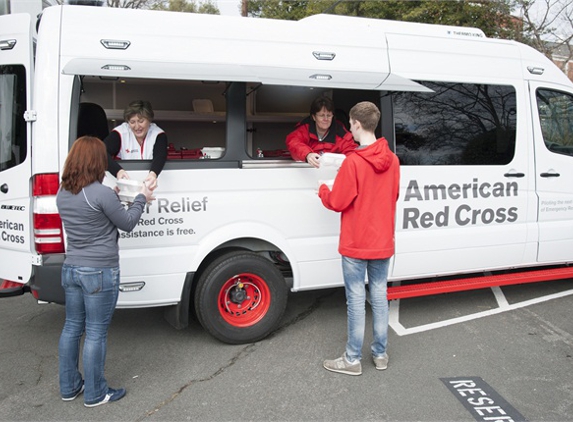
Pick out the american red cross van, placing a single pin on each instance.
(483, 129)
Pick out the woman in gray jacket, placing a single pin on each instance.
(91, 214)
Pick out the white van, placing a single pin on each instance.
(483, 129)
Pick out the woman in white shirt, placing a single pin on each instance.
(138, 138)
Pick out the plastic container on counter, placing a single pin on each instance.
(329, 165)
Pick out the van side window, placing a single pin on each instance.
(192, 113)
(457, 124)
(12, 124)
(556, 117)
(273, 111)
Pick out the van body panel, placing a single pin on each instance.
(452, 59)
(438, 235)
(53, 118)
(554, 170)
(15, 152)
(158, 290)
(531, 60)
(453, 219)
(184, 225)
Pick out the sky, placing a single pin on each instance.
(229, 7)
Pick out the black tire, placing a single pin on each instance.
(240, 297)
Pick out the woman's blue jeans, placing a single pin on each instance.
(91, 296)
(354, 271)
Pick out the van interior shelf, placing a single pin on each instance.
(216, 116)
(174, 116)
(276, 117)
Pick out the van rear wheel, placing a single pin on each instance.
(240, 297)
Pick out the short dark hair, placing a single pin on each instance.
(140, 108)
(85, 164)
(320, 102)
(367, 114)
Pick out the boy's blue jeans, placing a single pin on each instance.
(354, 271)
(91, 296)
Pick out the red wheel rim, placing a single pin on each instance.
(244, 300)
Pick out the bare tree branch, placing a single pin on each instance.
(548, 27)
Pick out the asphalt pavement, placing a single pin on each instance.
(497, 354)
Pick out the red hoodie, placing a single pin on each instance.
(365, 191)
(304, 140)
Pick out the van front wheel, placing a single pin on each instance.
(240, 297)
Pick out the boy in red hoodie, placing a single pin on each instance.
(365, 192)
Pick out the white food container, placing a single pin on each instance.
(331, 159)
(212, 152)
(128, 189)
(329, 165)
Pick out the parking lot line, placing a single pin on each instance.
(503, 306)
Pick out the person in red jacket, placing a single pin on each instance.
(319, 133)
(365, 192)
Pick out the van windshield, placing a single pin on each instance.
(12, 123)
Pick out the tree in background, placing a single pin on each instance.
(547, 27)
(190, 6)
(131, 4)
(493, 17)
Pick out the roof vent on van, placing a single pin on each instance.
(535, 70)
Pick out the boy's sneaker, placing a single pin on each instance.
(112, 395)
(342, 366)
(381, 362)
(73, 396)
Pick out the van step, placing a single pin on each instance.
(463, 284)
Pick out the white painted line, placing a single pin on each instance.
(500, 297)
(394, 311)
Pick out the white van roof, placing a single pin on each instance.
(209, 47)
(321, 51)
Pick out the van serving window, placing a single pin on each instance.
(457, 124)
(192, 113)
(273, 111)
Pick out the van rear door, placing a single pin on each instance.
(16, 74)
(552, 108)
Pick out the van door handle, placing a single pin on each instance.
(550, 175)
(514, 174)
(4, 188)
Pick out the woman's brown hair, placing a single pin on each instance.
(320, 102)
(138, 108)
(86, 163)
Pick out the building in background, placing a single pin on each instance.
(562, 58)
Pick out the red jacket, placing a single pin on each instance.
(365, 191)
(304, 140)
